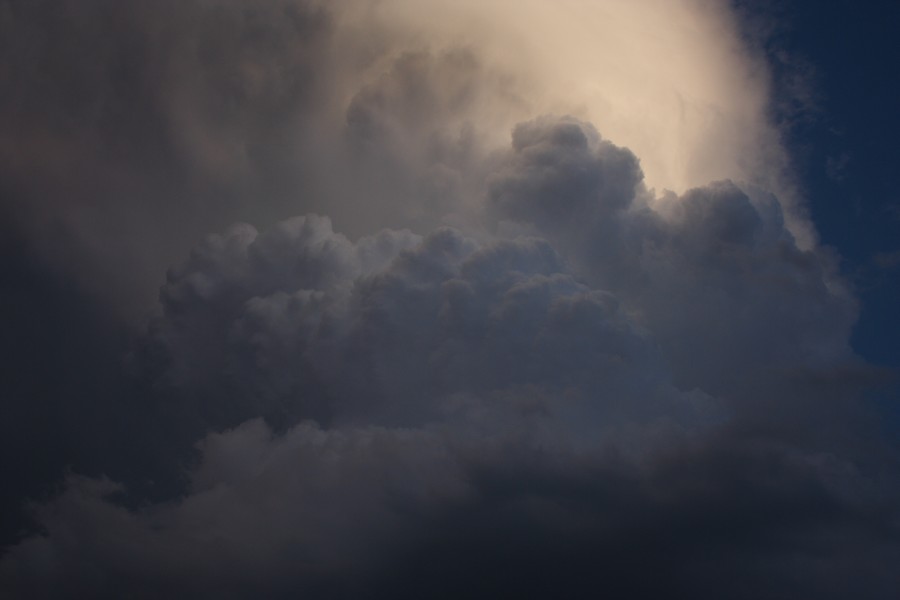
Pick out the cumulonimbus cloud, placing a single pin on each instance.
(508, 362)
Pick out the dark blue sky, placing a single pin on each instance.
(845, 145)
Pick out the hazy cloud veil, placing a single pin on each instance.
(551, 320)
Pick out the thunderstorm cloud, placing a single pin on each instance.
(376, 300)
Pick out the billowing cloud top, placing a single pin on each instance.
(513, 365)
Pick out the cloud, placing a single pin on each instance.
(131, 124)
(518, 357)
(281, 314)
(408, 511)
(702, 271)
(596, 385)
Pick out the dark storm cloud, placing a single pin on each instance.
(127, 131)
(581, 387)
(384, 327)
(540, 410)
(704, 271)
(408, 512)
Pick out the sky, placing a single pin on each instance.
(395, 298)
(843, 151)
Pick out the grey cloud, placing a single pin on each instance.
(126, 124)
(406, 510)
(579, 388)
(703, 271)
(561, 170)
(281, 317)
(243, 294)
(508, 412)
(282, 513)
